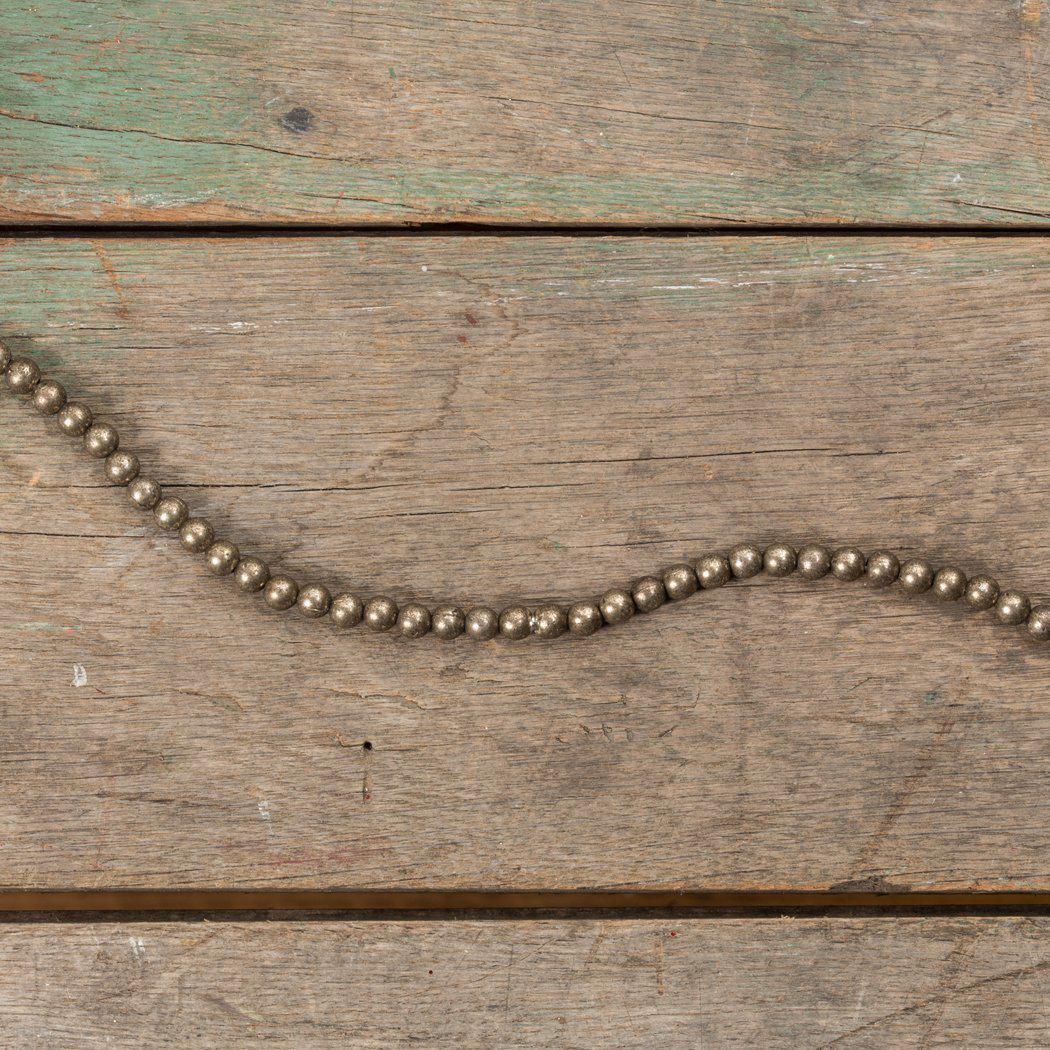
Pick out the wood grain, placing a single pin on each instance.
(803, 984)
(488, 417)
(680, 113)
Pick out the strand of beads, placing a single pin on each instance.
(252, 575)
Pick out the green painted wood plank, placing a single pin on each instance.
(681, 113)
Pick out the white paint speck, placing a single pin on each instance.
(138, 948)
(956, 179)
(264, 809)
(424, 269)
(79, 676)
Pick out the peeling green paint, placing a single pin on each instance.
(176, 112)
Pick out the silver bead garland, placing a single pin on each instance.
(252, 575)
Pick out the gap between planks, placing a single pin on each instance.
(146, 903)
(245, 231)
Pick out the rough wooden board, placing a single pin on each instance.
(851, 983)
(675, 113)
(491, 416)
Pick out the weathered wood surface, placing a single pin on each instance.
(803, 984)
(494, 416)
(896, 111)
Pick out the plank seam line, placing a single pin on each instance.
(247, 231)
(521, 903)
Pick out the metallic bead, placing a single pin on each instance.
(5, 358)
(981, 593)
(171, 513)
(648, 593)
(515, 623)
(779, 560)
(713, 570)
(197, 535)
(49, 397)
(22, 376)
(251, 574)
(949, 584)
(314, 601)
(848, 564)
(883, 568)
(584, 618)
(616, 605)
(448, 622)
(101, 439)
(679, 582)
(122, 468)
(916, 576)
(280, 592)
(144, 493)
(74, 419)
(380, 613)
(550, 621)
(347, 610)
(222, 557)
(1012, 608)
(1039, 623)
(745, 560)
(482, 624)
(814, 562)
(413, 620)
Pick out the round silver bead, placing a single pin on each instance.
(550, 621)
(413, 621)
(883, 568)
(49, 397)
(380, 613)
(122, 468)
(680, 582)
(617, 606)
(1012, 608)
(515, 623)
(814, 562)
(22, 376)
(745, 561)
(949, 584)
(848, 564)
(584, 618)
(1039, 623)
(280, 592)
(448, 622)
(251, 574)
(347, 611)
(101, 440)
(314, 601)
(5, 358)
(779, 560)
(981, 593)
(171, 513)
(713, 570)
(916, 576)
(222, 557)
(482, 624)
(75, 419)
(144, 493)
(197, 535)
(648, 593)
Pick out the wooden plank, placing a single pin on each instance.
(683, 112)
(493, 417)
(798, 983)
